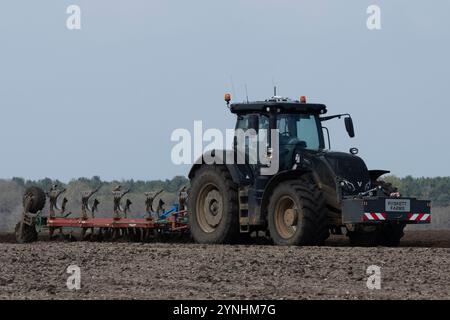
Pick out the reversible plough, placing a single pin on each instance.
(90, 225)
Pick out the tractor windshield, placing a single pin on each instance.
(300, 129)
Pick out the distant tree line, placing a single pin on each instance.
(435, 189)
(136, 186)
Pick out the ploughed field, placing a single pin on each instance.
(419, 269)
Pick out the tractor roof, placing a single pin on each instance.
(284, 104)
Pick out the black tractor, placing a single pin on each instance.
(296, 191)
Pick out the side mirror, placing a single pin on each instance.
(253, 122)
(349, 127)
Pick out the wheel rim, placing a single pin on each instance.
(286, 217)
(209, 208)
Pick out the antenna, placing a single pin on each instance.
(246, 92)
(232, 87)
(274, 86)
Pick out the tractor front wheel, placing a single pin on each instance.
(297, 214)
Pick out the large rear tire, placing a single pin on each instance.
(297, 214)
(37, 199)
(213, 206)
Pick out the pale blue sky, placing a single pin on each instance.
(104, 100)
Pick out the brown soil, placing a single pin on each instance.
(419, 269)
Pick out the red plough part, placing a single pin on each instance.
(100, 223)
(174, 223)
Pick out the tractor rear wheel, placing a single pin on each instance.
(297, 214)
(213, 206)
(37, 199)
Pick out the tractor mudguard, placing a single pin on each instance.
(375, 210)
(375, 174)
(240, 173)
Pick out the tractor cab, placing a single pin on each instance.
(298, 125)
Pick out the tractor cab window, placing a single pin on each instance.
(264, 122)
(251, 149)
(242, 122)
(299, 129)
